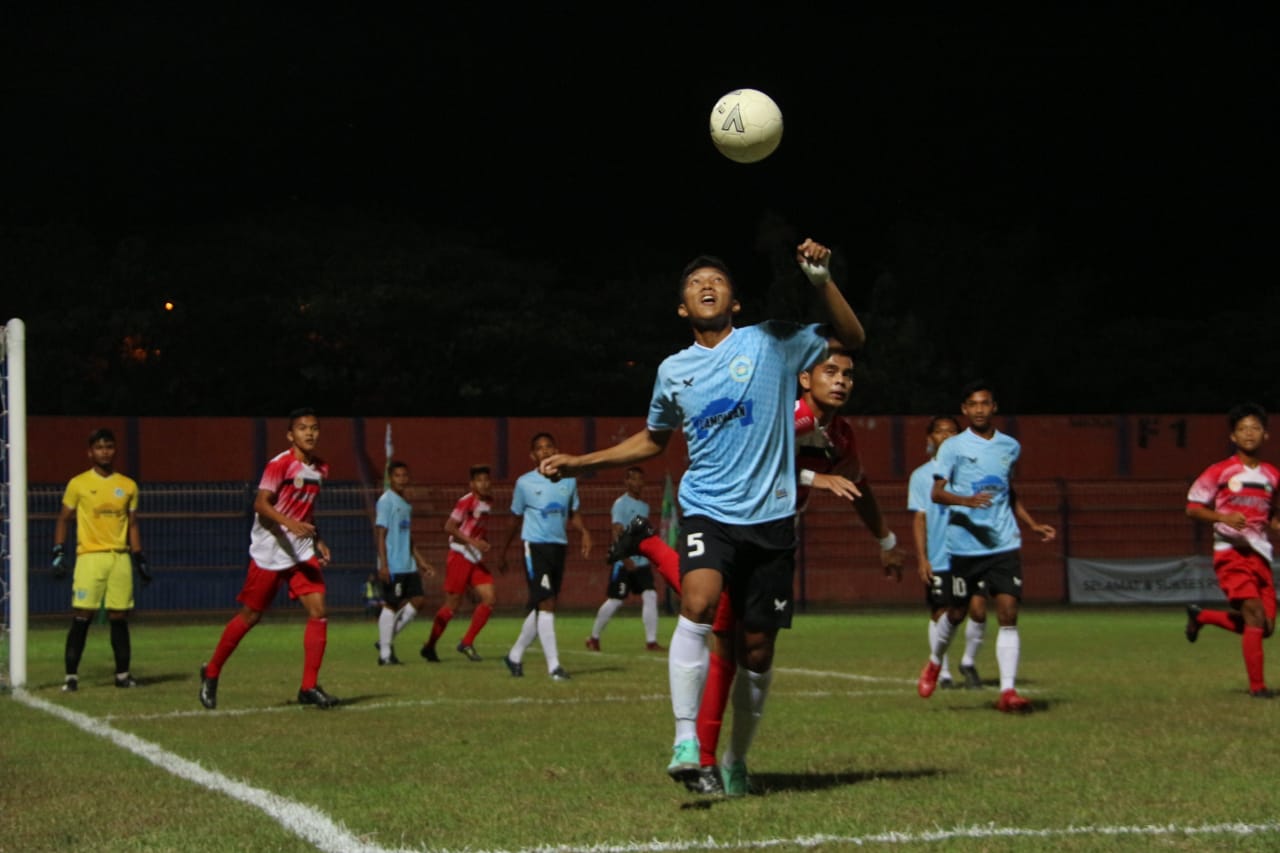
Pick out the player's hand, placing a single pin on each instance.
(428, 570)
(1045, 531)
(323, 552)
(925, 571)
(140, 565)
(60, 561)
(837, 485)
(556, 466)
(814, 260)
(891, 561)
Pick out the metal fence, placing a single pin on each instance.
(196, 538)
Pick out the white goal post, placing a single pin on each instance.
(13, 537)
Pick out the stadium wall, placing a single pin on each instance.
(1113, 486)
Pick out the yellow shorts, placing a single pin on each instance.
(103, 575)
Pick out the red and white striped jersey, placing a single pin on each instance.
(1232, 486)
(295, 484)
(471, 514)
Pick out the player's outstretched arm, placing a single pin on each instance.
(645, 444)
(815, 261)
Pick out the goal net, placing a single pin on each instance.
(13, 506)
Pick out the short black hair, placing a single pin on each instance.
(933, 423)
(1240, 411)
(705, 261)
(974, 387)
(304, 412)
(397, 463)
(477, 470)
(101, 434)
(635, 468)
(537, 435)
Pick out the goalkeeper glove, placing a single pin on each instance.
(140, 563)
(59, 561)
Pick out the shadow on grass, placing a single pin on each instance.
(763, 784)
(766, 783)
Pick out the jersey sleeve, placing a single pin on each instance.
(382, 514)
(517, 498)
(1204, 488)
(71, 495)
(273, 475)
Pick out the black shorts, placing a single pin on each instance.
(623, 583)
(402, 588)
(757, 561)
(543, 571)
(987, 574)
(938, 593)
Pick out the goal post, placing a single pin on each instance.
(13, 536)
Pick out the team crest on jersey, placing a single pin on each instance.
(1235, 484)
(740, 368)
(299, 481)
(119, 492)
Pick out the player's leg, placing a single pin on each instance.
(306, 584)
(88, 592)
(387, 623)
(722, 665)
(975, 633)
(615, 594)
(772, 554)
(119, 603)
(482, 583)
(1002, 577)
(950, 593)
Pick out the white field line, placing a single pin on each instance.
(320, 830)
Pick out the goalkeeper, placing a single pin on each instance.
(108, 549)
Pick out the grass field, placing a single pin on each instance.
(1138, 741)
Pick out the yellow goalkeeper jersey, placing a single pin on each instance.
(102, 506)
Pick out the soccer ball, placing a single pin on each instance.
(746, 125)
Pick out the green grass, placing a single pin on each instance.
(1134, 728)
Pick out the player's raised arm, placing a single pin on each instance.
(815, 261)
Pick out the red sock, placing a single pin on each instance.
(313, 643)
(1223, 619)
(478, 620)
(715, 698)
(443, 615)
(1252, 647)
(664, 559)
(231, 637)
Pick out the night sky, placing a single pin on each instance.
(1135, 150)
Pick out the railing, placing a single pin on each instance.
(196, 537)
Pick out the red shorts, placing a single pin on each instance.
(1243, 575)
(460, 573)
(261, 586)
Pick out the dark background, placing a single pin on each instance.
(408, 210)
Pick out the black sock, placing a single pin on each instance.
(120, 644)
(75, 643)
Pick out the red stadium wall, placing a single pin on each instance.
(158, 450)
(1112, 485)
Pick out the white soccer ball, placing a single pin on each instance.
(746, 125)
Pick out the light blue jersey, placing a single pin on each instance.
(545, 506)
(919, 489)
(736, 405)
(626, 508)
(395, 514)
(971, 464)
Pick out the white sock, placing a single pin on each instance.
(528, 631)
(405, 616)
(547, 637)
(649, 614)
(943, 629)
(386, 626)
(604, 614)
(750, 690)
(687, 673)
(1008, 649)
(945, 672)
(974, 634)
